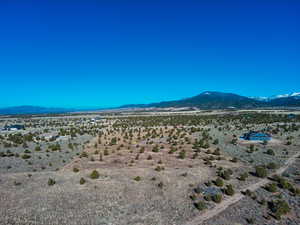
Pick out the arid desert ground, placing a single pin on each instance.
(186, 168)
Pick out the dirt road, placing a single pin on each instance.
(238, 196)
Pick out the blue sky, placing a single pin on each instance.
(108, 53)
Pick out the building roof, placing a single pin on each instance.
(256, 135)
(15, 126)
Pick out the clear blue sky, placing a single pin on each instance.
(108, 53)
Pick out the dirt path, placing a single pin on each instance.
(238, 196)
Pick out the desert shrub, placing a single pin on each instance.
(2, 154)
(262, 201)
(55, 147)
(198, 190)
(95, 174)
(234, 160)
(193, 197)
(219, 182)
(106, 152)
(160, 184)
(195, 155)
(83, 155)
(243, 176)
(253, 196)
(272, 166)
(279, 208)
(207, 197)
(294, 190)
(82, 181)
(217, 152)
(216, 141)
(217, 198)
(184, 174)
(113, 141)
(142, 150)
(200, 205)
(276, 177)
(250, 220)
(75, 170)
(159, 168)
(155, 148)
(261, 171)
(208, 183)
(51, 182)
(138, 178)
(225, 174)
(26, 156)
(182, 154)
(234, 141)
(271, 187)
(17, 183)
(172, 150)
(270, 152)
(248, 193)
(229, 190)
(282, 183)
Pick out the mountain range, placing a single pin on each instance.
(205, 100)
(28, 109)
(220, 100)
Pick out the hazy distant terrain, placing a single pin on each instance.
(206, 100)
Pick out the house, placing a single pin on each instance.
(291, 116)
(98, 118)
(14, 127)
(256, 136)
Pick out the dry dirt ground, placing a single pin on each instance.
(117, 198)
(114, 198)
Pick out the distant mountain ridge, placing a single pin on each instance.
(205, 100)
(27, 109)
(220, 100)
(212, 100)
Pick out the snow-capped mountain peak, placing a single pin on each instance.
(294, 94)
